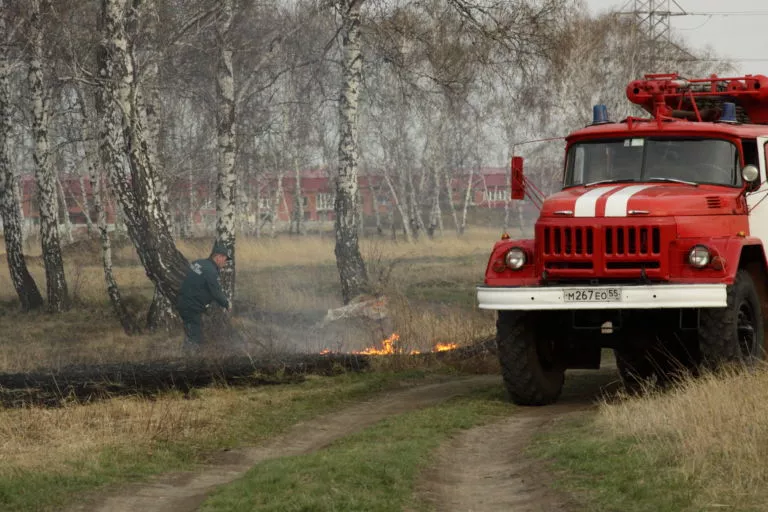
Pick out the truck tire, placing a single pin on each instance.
(531, 374)
(733, 334)
(635, 369)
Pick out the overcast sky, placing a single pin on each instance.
(735, 36)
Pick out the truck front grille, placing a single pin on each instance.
(573, 241)
(613, 250)
(623, 240)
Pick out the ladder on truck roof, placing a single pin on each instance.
(670, 96)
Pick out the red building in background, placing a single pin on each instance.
(78, 196)
(193, 202)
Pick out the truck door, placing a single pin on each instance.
(757, 201)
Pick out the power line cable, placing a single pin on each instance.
(709, 18)
(689, 13)
(697, 59)
(728, 13)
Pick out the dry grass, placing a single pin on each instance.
(713, 430)
(52, 439)
(285, 287)
(36, 439)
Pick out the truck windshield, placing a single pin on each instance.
(643, 159)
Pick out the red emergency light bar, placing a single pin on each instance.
(672, 96)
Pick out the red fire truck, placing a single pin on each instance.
(654, 247)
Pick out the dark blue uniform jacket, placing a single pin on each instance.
(201, 287)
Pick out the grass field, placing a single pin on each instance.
(285, 287)
(700, 446)
(51, 456)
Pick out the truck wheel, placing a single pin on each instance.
(635, 369)
(531, 373)
(733, 334)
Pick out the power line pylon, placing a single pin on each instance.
(652, 18)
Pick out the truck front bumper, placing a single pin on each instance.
(655, 296)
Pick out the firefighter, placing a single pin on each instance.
(201, 287)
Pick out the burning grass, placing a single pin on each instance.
(390, 346)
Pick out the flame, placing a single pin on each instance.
(389, 347)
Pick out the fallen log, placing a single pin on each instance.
(86, 383)
(93, 382)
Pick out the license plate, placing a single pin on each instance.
(592, 295)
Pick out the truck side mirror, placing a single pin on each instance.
(518, 179)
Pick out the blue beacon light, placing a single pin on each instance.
(729, 113)
(600, 114)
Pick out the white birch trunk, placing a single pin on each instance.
(85, 205)
(400, 210)
(242, 224)
(467, 200)
(161, 312)
(120, 227)
(349, 261)
(64, 209)
(435, 215)
(451, 205)
(97, 199)
(125, 318)
(81, 164)
(298, 201)
(278, 200)
(404, 203)
(20, 203)
(414, 206)
(22, 280)
(58, 296)
(226, 186)
(122, 132)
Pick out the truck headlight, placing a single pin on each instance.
(699, 256)
(515, 258)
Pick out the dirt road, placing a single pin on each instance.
(472, 474)
(183, 492)
(485, 469)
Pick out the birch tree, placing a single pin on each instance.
(98, 193)
(22, 280)
(226, 183)
(349, 261)
(57, 294)
(113, 291)
(161, 311)
(122, 147)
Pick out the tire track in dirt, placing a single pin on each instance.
(485, 469)
(185, 491)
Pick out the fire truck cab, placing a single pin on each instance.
(654, 247)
